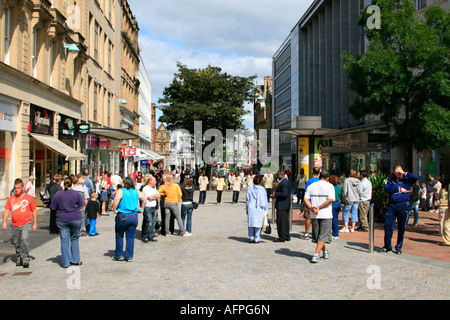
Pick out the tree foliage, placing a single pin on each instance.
(404, 75)
(208, 95)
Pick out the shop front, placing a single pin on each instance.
(8, 131)
(103, 155)
(49, 155)
(362, 149)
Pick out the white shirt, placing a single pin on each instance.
(148, 192)
(318, 193)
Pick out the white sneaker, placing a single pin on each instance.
(315, 258)
(187, 234)
(352, 230)
(344, 230)
(335, 238)
(326, 255)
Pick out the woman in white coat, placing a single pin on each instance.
(256, 206)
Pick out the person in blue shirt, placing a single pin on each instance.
(399, 187)
(306, 211)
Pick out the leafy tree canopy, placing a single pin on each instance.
(208, 95)
(404, 75)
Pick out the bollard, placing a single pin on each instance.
(291, 212)
(273, 210)
(371, 228)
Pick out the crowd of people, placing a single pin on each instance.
(77, 202)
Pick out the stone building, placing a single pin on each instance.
(61, 75)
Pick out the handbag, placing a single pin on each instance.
(344, 199)
(195, 205)
(267, 229)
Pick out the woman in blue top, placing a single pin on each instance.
(257, 204)
(126, 207)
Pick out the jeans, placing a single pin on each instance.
(126, 224)
(415, 207)
(186, 210)
(337, 206)
(150, 222)
(219, 196)
(235, 196)
(353, 208)
(202, 197)
(399, 212)
(21, 240)
(69, 233)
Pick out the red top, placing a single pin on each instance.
(21, 208)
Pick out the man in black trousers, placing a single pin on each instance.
(283, 206)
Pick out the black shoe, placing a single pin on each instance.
(19, 263)
(26, 264)
(278, 240)
(385, 250)
(362, 229)
(76, 264)
(152, 240)
(145, 240)
(399, 251)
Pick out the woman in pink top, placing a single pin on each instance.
(30, 187)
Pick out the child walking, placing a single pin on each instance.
(92, 212)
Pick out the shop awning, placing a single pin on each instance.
(118, 134)
(59, 147)
(149, 155)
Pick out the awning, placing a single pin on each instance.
(118, 134)
(59, 147)
(149, 155)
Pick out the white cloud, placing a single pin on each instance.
(239, 36)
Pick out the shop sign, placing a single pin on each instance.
(83, 128)
(128, 152)
(41, 120)
(104, 143)
(8, 117)
(146, 162)
(67, 128)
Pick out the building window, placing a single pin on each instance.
(95, 102)
(110, 48)
(7, 27)
(108, 110)
(96, 35)
(35, 52)
(420, 4)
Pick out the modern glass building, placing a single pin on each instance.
(311, 96)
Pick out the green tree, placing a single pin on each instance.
(404, 75)
(208, 95)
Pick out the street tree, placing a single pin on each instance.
(404, 75)
(208, 95)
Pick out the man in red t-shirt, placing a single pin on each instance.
(22, 207)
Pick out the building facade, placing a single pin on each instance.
(60, 88)
(312, 97)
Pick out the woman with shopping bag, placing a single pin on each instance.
(256, 205)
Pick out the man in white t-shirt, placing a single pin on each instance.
(319, 198)
(150, 214)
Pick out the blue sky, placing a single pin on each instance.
(239, 36)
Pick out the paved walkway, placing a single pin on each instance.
(218, 263)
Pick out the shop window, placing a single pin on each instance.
(6, 163)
